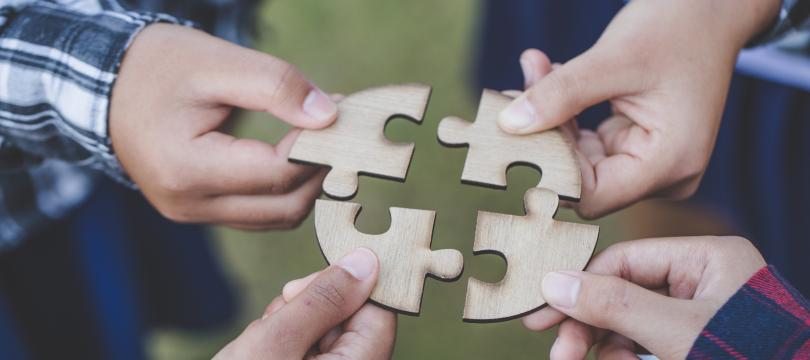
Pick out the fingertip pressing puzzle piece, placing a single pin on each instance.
(492, 151)
(403, 251)
(355, 143)
(532, 245)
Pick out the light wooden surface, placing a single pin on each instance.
(355, 143)
(532, 245)
(492, 151)
(404, 251)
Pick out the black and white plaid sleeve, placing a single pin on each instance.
(58, 62)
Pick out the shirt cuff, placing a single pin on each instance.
(110, 164)
(63, 64)
(765, 318)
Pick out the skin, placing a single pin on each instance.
(665, 67)
(175, 90)
(656, 294)
(177, 86)
(322, 316)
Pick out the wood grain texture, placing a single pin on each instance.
(404, 251)
(532, 245)
(492, 151)
(355, 143)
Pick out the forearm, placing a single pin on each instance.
(766, 318)
(59, 64)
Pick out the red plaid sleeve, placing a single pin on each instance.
(766, 319)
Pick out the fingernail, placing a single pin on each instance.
(360, 263)
(561, 289)
(528, 71)
(319, 106)
(518, 115)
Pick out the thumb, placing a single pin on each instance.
(664, 325)
(332, 297)
(562, 94)
(259, 82)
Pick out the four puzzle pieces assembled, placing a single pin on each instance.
(532, 245)
(403, 251)
(355, 143)
(492, 150)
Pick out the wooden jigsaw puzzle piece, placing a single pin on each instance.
(492, 151)
(532, 246)
(355, 143)
(404, 251)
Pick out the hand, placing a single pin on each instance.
(665, 67)
(175, 89)
(317, 317)
(657, 293)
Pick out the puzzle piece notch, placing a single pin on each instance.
(532, 246)
(452, 131)
(403, 251)
(492, 151)
(355, 144)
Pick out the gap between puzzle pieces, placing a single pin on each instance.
(404, 250)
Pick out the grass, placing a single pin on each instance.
(345, 46)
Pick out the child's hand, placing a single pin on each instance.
(658, 293)
(322, 316)
(175, 89)
(665, 66)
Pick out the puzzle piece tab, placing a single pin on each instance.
(355, 143)
(492, 151)
(532, 245)
(404, 251)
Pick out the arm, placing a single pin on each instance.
(765, 318)
(663, 294)
(665, 68)
(58, 66)
(74, 85)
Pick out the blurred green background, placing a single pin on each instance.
(345, 46)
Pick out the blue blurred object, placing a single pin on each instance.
(759, 173)
(93, 285)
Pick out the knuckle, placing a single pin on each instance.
(739, 241)
(296, 215)
(282, 185)
(613, 302)
(325, 296)
(735, 243)
(686, 191)
(176, 213)
(281, 75)
(588, 213)
(568, 86)
(173, 184)
(692, 168)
